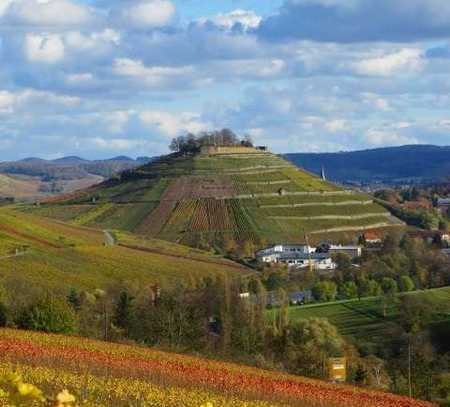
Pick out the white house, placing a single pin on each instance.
(298, 256)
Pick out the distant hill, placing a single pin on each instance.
(33, 178)
(210, 200)
(416, 163)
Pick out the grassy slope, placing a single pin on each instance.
(117, 375)
(60, 256)
(250, 208)
(13, 187)
(363, 319)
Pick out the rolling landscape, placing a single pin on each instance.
(232, 203)
(255, 196)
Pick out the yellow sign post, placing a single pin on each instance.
(337, 368)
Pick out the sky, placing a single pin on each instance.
(101, 78)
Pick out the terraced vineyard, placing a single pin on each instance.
(118, 375)
(186, 199)
(44, 253)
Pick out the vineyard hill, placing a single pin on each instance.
(221, 195)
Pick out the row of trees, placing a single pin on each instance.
(214, 318)
(192, 143)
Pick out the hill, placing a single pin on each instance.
(116, 375)
(11, 186)
(40, 253)
(34, 178)
(233, 195)
(363, 320)
(414, 163)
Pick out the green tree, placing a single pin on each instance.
(310, 343)
(49, 315)
(348, 290)
(124, 311)
(325, 291)
(74, 299)
(389, 286)
(406, 283)
(3, 315)
(369, 288)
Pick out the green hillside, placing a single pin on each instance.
(39, 252)
(251, 196)
(363, 320)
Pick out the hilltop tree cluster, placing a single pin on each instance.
(192, 143)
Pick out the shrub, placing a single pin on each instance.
(48, 315)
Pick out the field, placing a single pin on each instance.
(119, 375)
(362, 320)
(246, 197)
(33, 247)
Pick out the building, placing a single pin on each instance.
(371, 237)
(296, 255)
(351, 251)
(443, 205)
(273, 253)
(300, 297)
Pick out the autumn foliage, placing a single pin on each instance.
(115, 375)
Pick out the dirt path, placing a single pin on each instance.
(181, 256)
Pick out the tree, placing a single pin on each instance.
(48, 315)
(406, 283)
(124, 311)
(310, 343)
(389, 286)
(348, 290)
(325, 291)
(369, 288)
(3, 315)
(74, 299)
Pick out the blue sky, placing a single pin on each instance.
(99, 78)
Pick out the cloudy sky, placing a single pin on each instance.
(98, 78)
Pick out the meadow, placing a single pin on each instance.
(60, 256)
(363, 320)
(120, 375)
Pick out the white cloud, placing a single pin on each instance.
(116, 121)
(173, 124)
(246, 18)
(153, 76)
(407, 60)
(4, 5)
(116, 144)
(47, 48)
(7, 101)
(92, 41)
(260, 68)
(374, 100)
(149, 14)
(31, 99)
(336, 125)
(79, 78)
(60, 13)
(388, 137)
